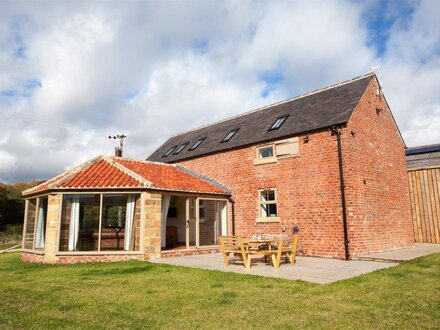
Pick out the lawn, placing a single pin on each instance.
(140, 294)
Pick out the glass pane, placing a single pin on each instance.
(114, 209)
(80, 223)
(30, 224)
(202, 210)
(40, 230)
(267, 195)
(265, 152)
(272, 209)
(263, 211)
(207, 232)
(268, 210)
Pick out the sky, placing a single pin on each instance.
(74, 72)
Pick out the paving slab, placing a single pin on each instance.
(418, 250)
(309, 269)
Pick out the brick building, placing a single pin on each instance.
(330, 162)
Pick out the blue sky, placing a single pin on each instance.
(74, 72)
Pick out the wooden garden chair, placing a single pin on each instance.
(237, 246)
(289, 249)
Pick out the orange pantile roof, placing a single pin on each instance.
(115, 172)
(101, 174)
(165, 176)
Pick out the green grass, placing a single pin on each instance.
(144, 295)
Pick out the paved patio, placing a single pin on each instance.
(419, 250)
(316, 270)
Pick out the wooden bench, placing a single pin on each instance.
(236, 246)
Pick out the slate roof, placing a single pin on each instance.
(423, 156)
(332, 105)
(121, 173)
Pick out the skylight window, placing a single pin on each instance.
(180, 148)
(169, 151)
(277, 124)
(195, 145)
(229, 136)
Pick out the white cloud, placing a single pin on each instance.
(152, 69)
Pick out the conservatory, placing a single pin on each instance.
(113, 209)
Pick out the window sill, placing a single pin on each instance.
(265, 161)
(268, 219)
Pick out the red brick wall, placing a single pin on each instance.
(308, 189)
(32, 257)
(71, 259)
(379, 211)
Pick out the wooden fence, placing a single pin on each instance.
(424, 191)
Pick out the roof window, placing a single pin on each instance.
(229, 136)
(195, 145)
(277, 124)
(169, 151)
(180, 148)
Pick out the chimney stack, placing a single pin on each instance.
(119, 150)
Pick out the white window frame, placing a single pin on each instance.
(260, 218)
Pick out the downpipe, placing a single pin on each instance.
(335, 131)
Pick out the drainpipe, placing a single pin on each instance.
(233, 215)
(336, 131)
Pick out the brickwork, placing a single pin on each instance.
(71, 259)
(32, 257)
(379, 211)
(181, 253)
(307, 191)
(308, 188)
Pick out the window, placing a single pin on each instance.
(34, 236)
(278, 150)
(99, 222)
(268, 203)
(195, 145)
(30, 224)
(277, 124)
(265, 152)
(202, 213)
(229, 136)
(180, 148)
(169, 151)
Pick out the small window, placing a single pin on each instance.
(195, 145)
(169, 151)
(277, 124)
(229, 136)
(180, 148)
(265, 152)
(268, 203)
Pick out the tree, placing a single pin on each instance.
(12, 203)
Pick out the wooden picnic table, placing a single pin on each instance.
(245, 248)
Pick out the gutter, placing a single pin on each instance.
(335, 131)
